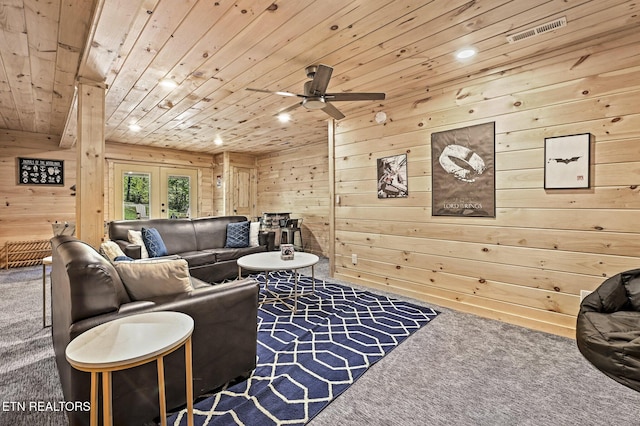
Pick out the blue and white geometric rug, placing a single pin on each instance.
(307, 359)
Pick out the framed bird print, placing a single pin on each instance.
(567, 161)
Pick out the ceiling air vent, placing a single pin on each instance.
(540, 29)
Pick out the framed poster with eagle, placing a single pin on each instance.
(566, 161)
(463, 172)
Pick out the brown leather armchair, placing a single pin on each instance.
(87, 291)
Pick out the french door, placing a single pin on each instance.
(150, 192)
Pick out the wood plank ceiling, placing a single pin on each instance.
(214, 50)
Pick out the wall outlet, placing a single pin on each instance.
(354, 258)
(583, 294)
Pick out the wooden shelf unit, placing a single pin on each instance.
(17, 254)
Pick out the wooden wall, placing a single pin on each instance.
(297, 181)
(27, 211)
(528, 264)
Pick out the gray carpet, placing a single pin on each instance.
(461, 370)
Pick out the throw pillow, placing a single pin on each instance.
(147, 279)
(111, 250)
(237, 235)
(254, 231)
(135, 237)
(153, 242)
(123, 259)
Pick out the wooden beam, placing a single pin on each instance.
(331, 137)
(90, 168)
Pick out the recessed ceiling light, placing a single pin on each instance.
(284, 117)
(218, 141)
(134, 127)
(466, 53)
(169, 83)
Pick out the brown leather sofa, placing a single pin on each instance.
(87, 291)
(200, 241)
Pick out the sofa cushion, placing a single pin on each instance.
(146, 279)
(238, 235)
(211, 232)
(111, 250)
(254, 234)
(135, 237)
(153, 242)
(225, 254)
(199, 258)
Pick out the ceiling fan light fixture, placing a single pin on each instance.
(314, 102)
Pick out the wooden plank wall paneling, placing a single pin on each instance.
(297, 181)
(27, 211)
(528, 265)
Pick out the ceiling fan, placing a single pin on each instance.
(315, 93)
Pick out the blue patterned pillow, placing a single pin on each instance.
(238, 235)
(153, 242)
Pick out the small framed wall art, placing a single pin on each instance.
(392, 177)
(566, 161)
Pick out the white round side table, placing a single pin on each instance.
(128, 342)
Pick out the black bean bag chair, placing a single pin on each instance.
(608, 328)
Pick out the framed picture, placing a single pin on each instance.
(287, 251)
(566, 161)
(392, 177)
(463, 172)
(36, 171)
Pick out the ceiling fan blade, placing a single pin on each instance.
(333, 111)
(353, 96)
(291, 108)
(274, 93)
(320, 80)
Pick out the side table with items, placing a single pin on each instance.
(272, 261)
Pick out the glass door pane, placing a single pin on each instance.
(179, 196)
(136, 195)
(178, 192)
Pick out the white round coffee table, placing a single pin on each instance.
(128, 342)
(270, 261)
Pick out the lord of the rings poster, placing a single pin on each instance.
(463, 171)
